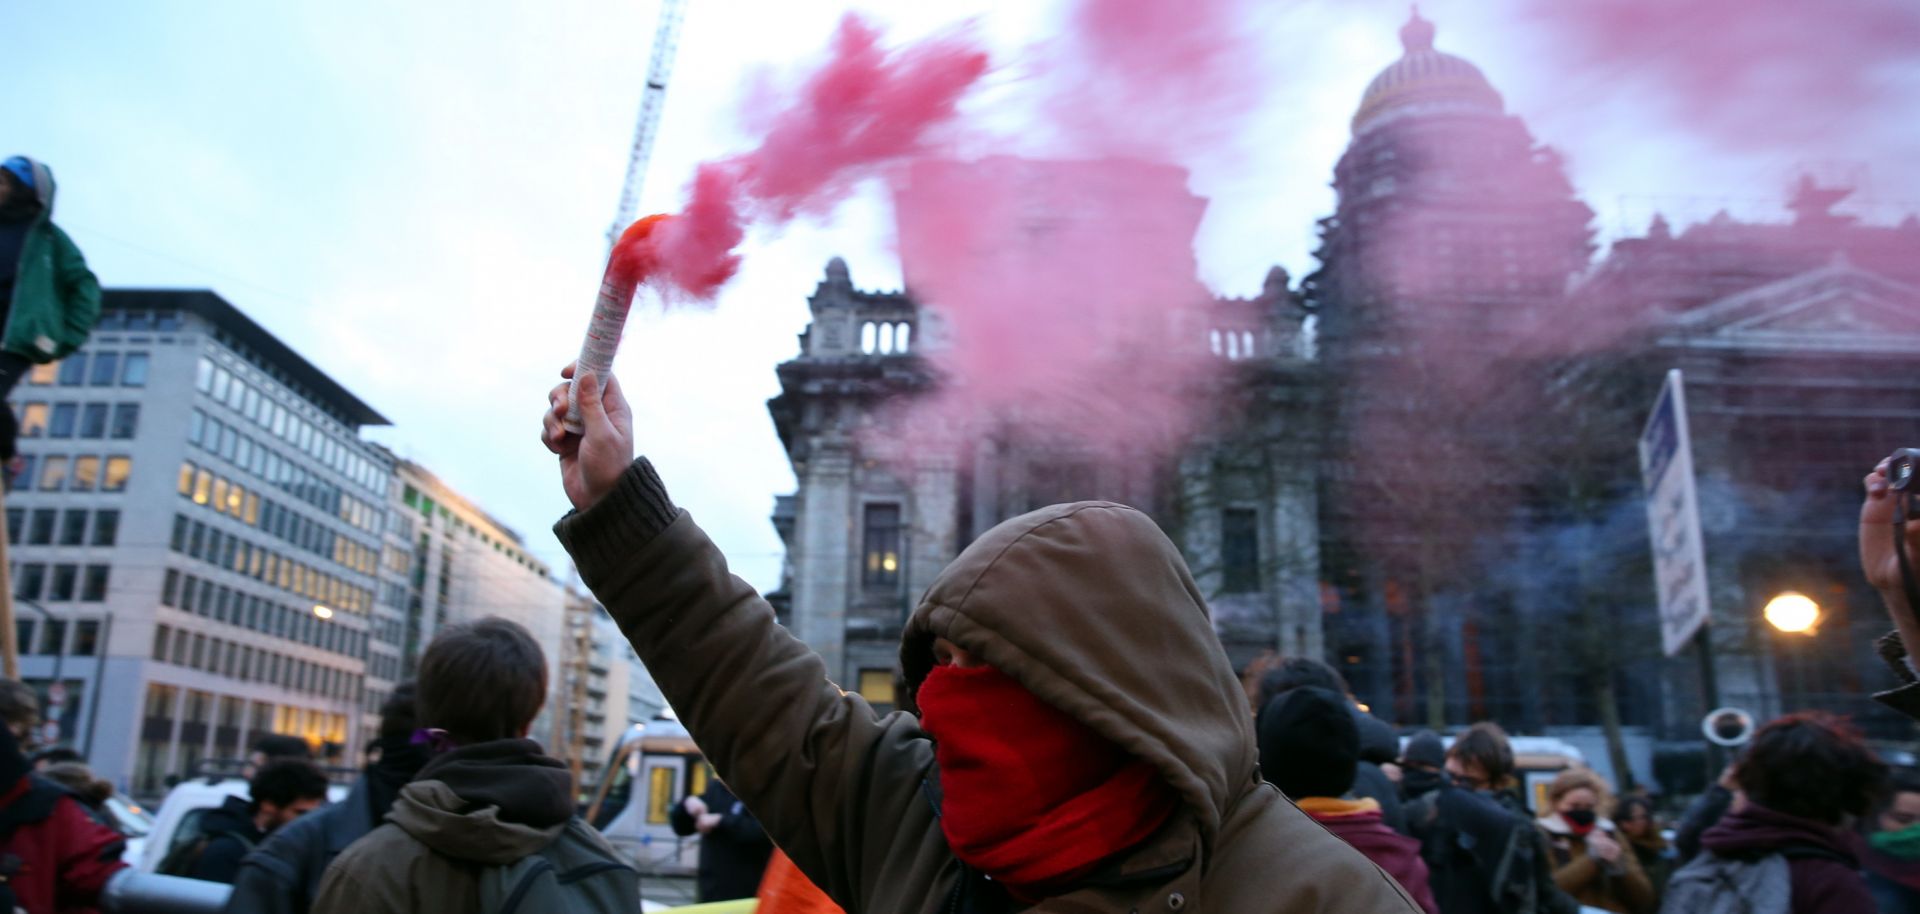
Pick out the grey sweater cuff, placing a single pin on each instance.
(616, 527)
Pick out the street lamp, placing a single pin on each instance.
(1793, 613)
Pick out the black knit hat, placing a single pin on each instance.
(1425, 748)
(1309, 743)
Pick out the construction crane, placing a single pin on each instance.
(666, 44)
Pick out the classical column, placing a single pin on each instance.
(825, 548)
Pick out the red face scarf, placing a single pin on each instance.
(1032, 797)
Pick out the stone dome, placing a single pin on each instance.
(1424, 80)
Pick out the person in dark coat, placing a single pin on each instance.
(1641, 828)
(1309, 746)
(733, 848)
(283, 791)
(282, 876)
(1801, 777)
(1481, 857)
(49, 300)
(53, 856)
(1378, 745)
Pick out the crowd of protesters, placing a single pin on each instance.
(1070, 736)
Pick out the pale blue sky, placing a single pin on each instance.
(414, 194)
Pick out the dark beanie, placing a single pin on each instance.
(1425, 748)
(1309, 743)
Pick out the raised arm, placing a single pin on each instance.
(835, 785)
(1882, 568)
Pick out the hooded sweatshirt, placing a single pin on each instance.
(1358, 822)
(1826, 881)
(484, 805)
(1088, 606)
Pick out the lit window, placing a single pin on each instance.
(43, 374)
(33, 420)
(202, 487)
(219, 494)
(86, 473)
(118, 469)
(186, 478)
(53, 474)
(882, 565)
(876, 686)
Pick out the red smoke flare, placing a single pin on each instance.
(867, 107)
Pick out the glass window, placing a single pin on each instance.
(86, 637)
(33, 420)
(126, 420)
(119, 468)
(16, 524)
(1240, 550)
(250, 405)
(229, 440)
(106, 527)
(65, 577)
(222, 382)
(86, 473)
(43, 374)
(160, 633)
(196, 426)
(73, 370)
(134, 372)
(53, 474)
(106, 369)
(73, 527)
(882, 565)
(166, 321)
(179, 542)
(876, 686)
(64, 416)
(186, 478)
(203, 375)
(93, 420)
(219, 494)
(197, 543)
(29, 465)
(53, 636)
(40, 530)
(243, 453)
(33, 579)
(202, 486)
(211, 438)
(93, 585)
(170, 588)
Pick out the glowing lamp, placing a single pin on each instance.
(1793, 613)
(322, 611)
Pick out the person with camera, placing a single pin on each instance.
(1891, 483)
(1590, 859)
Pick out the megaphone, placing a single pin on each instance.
(1729, 727)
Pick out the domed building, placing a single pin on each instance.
(1451, 247)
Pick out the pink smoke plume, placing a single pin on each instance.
(1746, 72)
(868, 106)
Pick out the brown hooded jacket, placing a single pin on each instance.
(1088, 605)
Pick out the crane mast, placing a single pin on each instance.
(666, 44)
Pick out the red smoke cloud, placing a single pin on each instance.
(1746, 71)
(867, 107)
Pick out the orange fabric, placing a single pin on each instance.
(1324, 807)
(785, 890)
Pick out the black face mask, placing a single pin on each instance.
(1580, 819)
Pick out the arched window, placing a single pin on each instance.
(1246, 344)
(1233, 346)
(903, 337)
(1213, 341)
(886, 339)
(868, 337)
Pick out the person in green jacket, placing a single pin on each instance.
(1071, 735)
(49, 300)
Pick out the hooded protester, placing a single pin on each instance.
(1378, 745)
(49, 300)
(1080, 741)
(1801, 778)
(53, 855)
(1309, 746)
(1481, 858)
(282, 876)
(1892, 855)
(490, 817)
(1589, 861)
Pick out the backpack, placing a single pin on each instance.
(1712, 884)
(186, 855)
(575, 872)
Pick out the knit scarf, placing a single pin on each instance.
(1031, 796)
(1901, 845)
